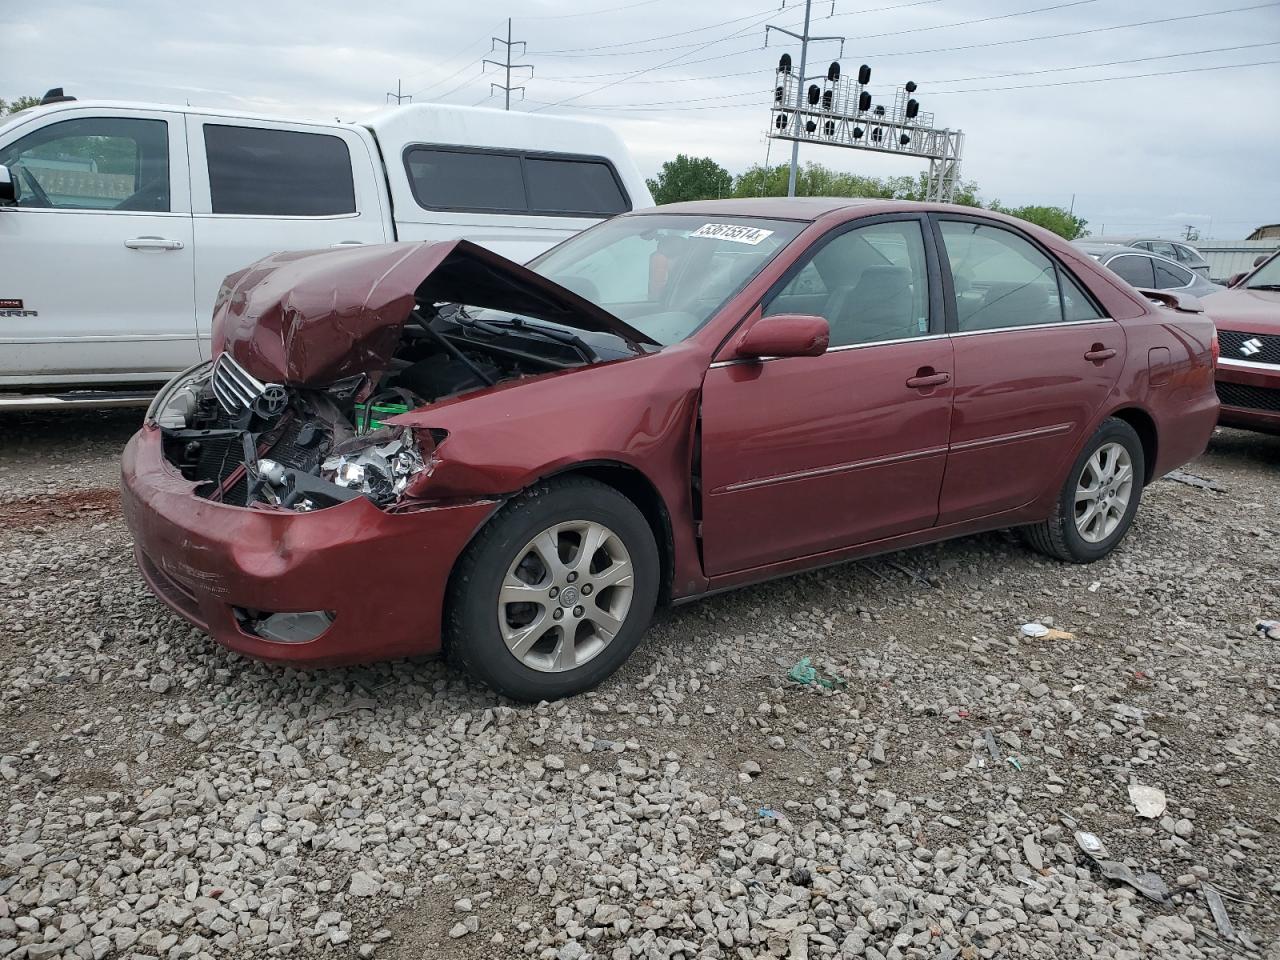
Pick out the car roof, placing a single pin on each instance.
(807, 208)
(1101, 248)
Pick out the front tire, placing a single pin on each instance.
(1099, 499)
(554, 593)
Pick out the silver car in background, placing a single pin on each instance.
(1149, 270)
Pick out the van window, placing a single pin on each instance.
(509, 181)
(455, 179)
(93, 163)
(282, 173)
(572, 186)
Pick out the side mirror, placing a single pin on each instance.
(8, 188)
(785, 335)
(1236, 278)
(1260, 259)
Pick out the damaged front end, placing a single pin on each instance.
(244, 442)
(318, 354)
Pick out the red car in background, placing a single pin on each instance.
(1247, 315)
(398, 448)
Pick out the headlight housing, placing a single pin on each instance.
(175, 403)
(380, 465)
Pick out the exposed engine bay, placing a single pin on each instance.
(245, 442)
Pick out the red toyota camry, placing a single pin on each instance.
(414, 446)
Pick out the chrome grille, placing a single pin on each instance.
(235, 388)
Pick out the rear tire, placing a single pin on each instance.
(1097, 503)
(555, 591)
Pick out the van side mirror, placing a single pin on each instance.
(1236, 278)
(1260, 259)
(8, 189)
(785, 335)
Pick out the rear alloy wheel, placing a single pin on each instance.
(555, 592)
(1098, 502)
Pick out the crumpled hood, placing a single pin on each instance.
(313, 317)
(1245, 310)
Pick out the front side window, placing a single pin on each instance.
(871, 284)
(665, 275)
(1169, 276)
(1003, 280)
(1136, 271)
(1164, 249)
(508, 181)
(93, 163)
(255, 171)
(1185, 254)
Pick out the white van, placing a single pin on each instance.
(119, 221)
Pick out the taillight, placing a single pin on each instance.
(1216, 349)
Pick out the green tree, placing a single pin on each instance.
(1062, 222)
(21, 103)
(690, 178)
(816, 180)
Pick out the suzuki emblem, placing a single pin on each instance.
(1251, 346)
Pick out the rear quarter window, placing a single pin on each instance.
(513, 181)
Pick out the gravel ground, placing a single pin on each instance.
(163, 798)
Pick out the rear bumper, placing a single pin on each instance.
(1250, 395)
(382, 575)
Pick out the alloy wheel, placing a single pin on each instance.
(1103, 492)
(565, 596)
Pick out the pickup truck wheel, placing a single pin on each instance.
(1099, 499)
(555, 592)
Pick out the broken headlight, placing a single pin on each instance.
(176, 402)
(379, 465)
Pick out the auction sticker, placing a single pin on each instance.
(735, 232)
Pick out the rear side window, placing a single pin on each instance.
(572, 186)
(1134, 270)
(506, 181)
(447, 179)
(283, 173)
(1002, 280)
(1169, 277)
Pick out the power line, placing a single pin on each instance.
(657, 66)
(1131, 76)
(665, 36)
(1106, 63)
(588, 13)
(659, 106)
(1079, 33)
(966, 23)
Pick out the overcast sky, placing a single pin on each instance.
(1144, 155)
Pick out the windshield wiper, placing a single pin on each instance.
(496, 326)
(1264, 286)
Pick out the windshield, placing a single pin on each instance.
(1267, 275)
(666, 274)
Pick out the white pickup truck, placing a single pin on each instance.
(119, 221)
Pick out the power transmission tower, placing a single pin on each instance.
(805, 40)
(399, 97)
(507, 65)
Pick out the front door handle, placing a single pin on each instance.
(1097, 353)
(923, 379)
(348, 243)
(153, 243)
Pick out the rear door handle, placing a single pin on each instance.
(153, 243)
(924, 380)
(1099, 353)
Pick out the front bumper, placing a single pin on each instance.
(383, 575)
(1250, 395)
